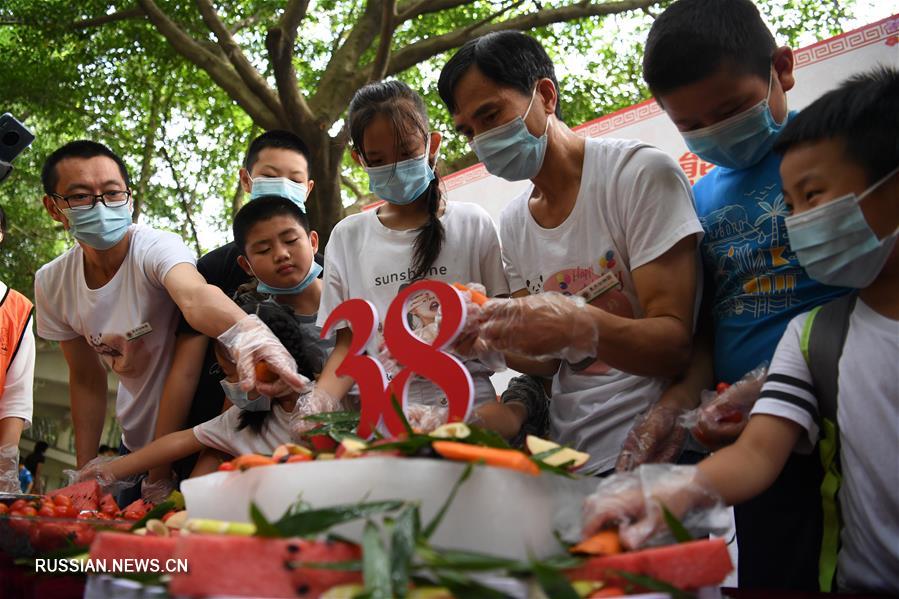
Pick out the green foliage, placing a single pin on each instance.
(75, 70)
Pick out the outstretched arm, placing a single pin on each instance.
(165, 450)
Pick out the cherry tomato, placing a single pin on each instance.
(62, 500)
(18, 504)
(133, 515)
(4, 509)
(226, 467)
(46, 512)
(721, 388)
(29, 511)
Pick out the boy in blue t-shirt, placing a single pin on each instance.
(714, 67)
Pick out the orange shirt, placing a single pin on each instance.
(15, 310)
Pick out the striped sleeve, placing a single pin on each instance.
(788, 392)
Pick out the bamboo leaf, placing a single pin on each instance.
(264, 528)
(438, 518)
(677, 528)
(402, 548)
(654, 584)
(345, 566)
(553, 582)
(455, 559)
(312, 522)
(375, 564)
(399, 410)
(462, 587)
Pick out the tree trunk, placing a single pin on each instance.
(325, 206)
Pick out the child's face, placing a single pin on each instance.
(279, 252)
(727, 93)
(381, 147)
(278, 162)
(819, 172)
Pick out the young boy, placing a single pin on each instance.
(276, 162)
(841, 178)
(714, 67)
(278, 248)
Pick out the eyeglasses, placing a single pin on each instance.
(86, 201)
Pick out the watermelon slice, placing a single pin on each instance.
(687, 566)
(84, 496)
(116, 545)
(257, 567)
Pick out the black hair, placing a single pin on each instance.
(82, 148)
(409, 117)
(692, 39)
(281, 320)
(260, 209)
(863, 112)
(40, 447)
(508, 58)
(276, 138)
(3, 224)
(103, 449)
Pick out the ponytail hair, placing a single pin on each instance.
(407, 113)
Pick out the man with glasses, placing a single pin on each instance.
(114, 298)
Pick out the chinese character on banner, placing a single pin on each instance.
(427, 360)
(694, 166)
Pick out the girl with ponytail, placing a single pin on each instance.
(415, 234)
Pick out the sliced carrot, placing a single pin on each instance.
(252, 460)
(605, 542)
(264, 373)
(476, 296)
(501, 458)
(607, 592)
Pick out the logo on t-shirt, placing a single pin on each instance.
(129, 359)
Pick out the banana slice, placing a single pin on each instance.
(566, 455)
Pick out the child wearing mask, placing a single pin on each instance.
(416, 234)
(832, 386)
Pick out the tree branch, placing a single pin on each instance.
(280, 42)
(121, 15)
(245, 22)
(430, 47)
(410, 9)
(351, 185)
(219, 70)
(185, 205)
(388, 24)
(238, 59)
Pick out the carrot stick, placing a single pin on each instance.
(476, 296)
(501, 458)
(264, 373)
(605, 542)
(252, 460)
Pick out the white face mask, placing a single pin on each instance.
(835, 244)
(239, 398)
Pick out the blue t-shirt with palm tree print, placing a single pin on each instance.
(757, 284)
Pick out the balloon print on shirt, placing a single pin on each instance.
(127, 355)
(572, 280)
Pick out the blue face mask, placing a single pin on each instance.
(239, 398)
(100, 227)
(314, 271)
(740, 141)
(836, 246)
(403, 182)
(282, 187)
(510, 151)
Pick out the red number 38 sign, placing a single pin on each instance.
(417, 357)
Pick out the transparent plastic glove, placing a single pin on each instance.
(656, 436)
(425, 418)
(315, 401)
(634, 500)
(543, 327)
(468, 344)
(250, 341)
(9, 469)
(720, 419)
(98, 469)
(156, 491)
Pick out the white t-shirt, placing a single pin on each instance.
(221, 432)
(16, 397)
(868, 419)
(365, 259)
(111, 318)
(633, 205)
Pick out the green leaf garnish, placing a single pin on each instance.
(438, 518)
(402, 547)
(553, 582)
(654, 584)
(677, 528)
(353, 565)
(375, 564)
(463, 587)
(399, 411)
(264, 528)
(315, 521)
(156, 513)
